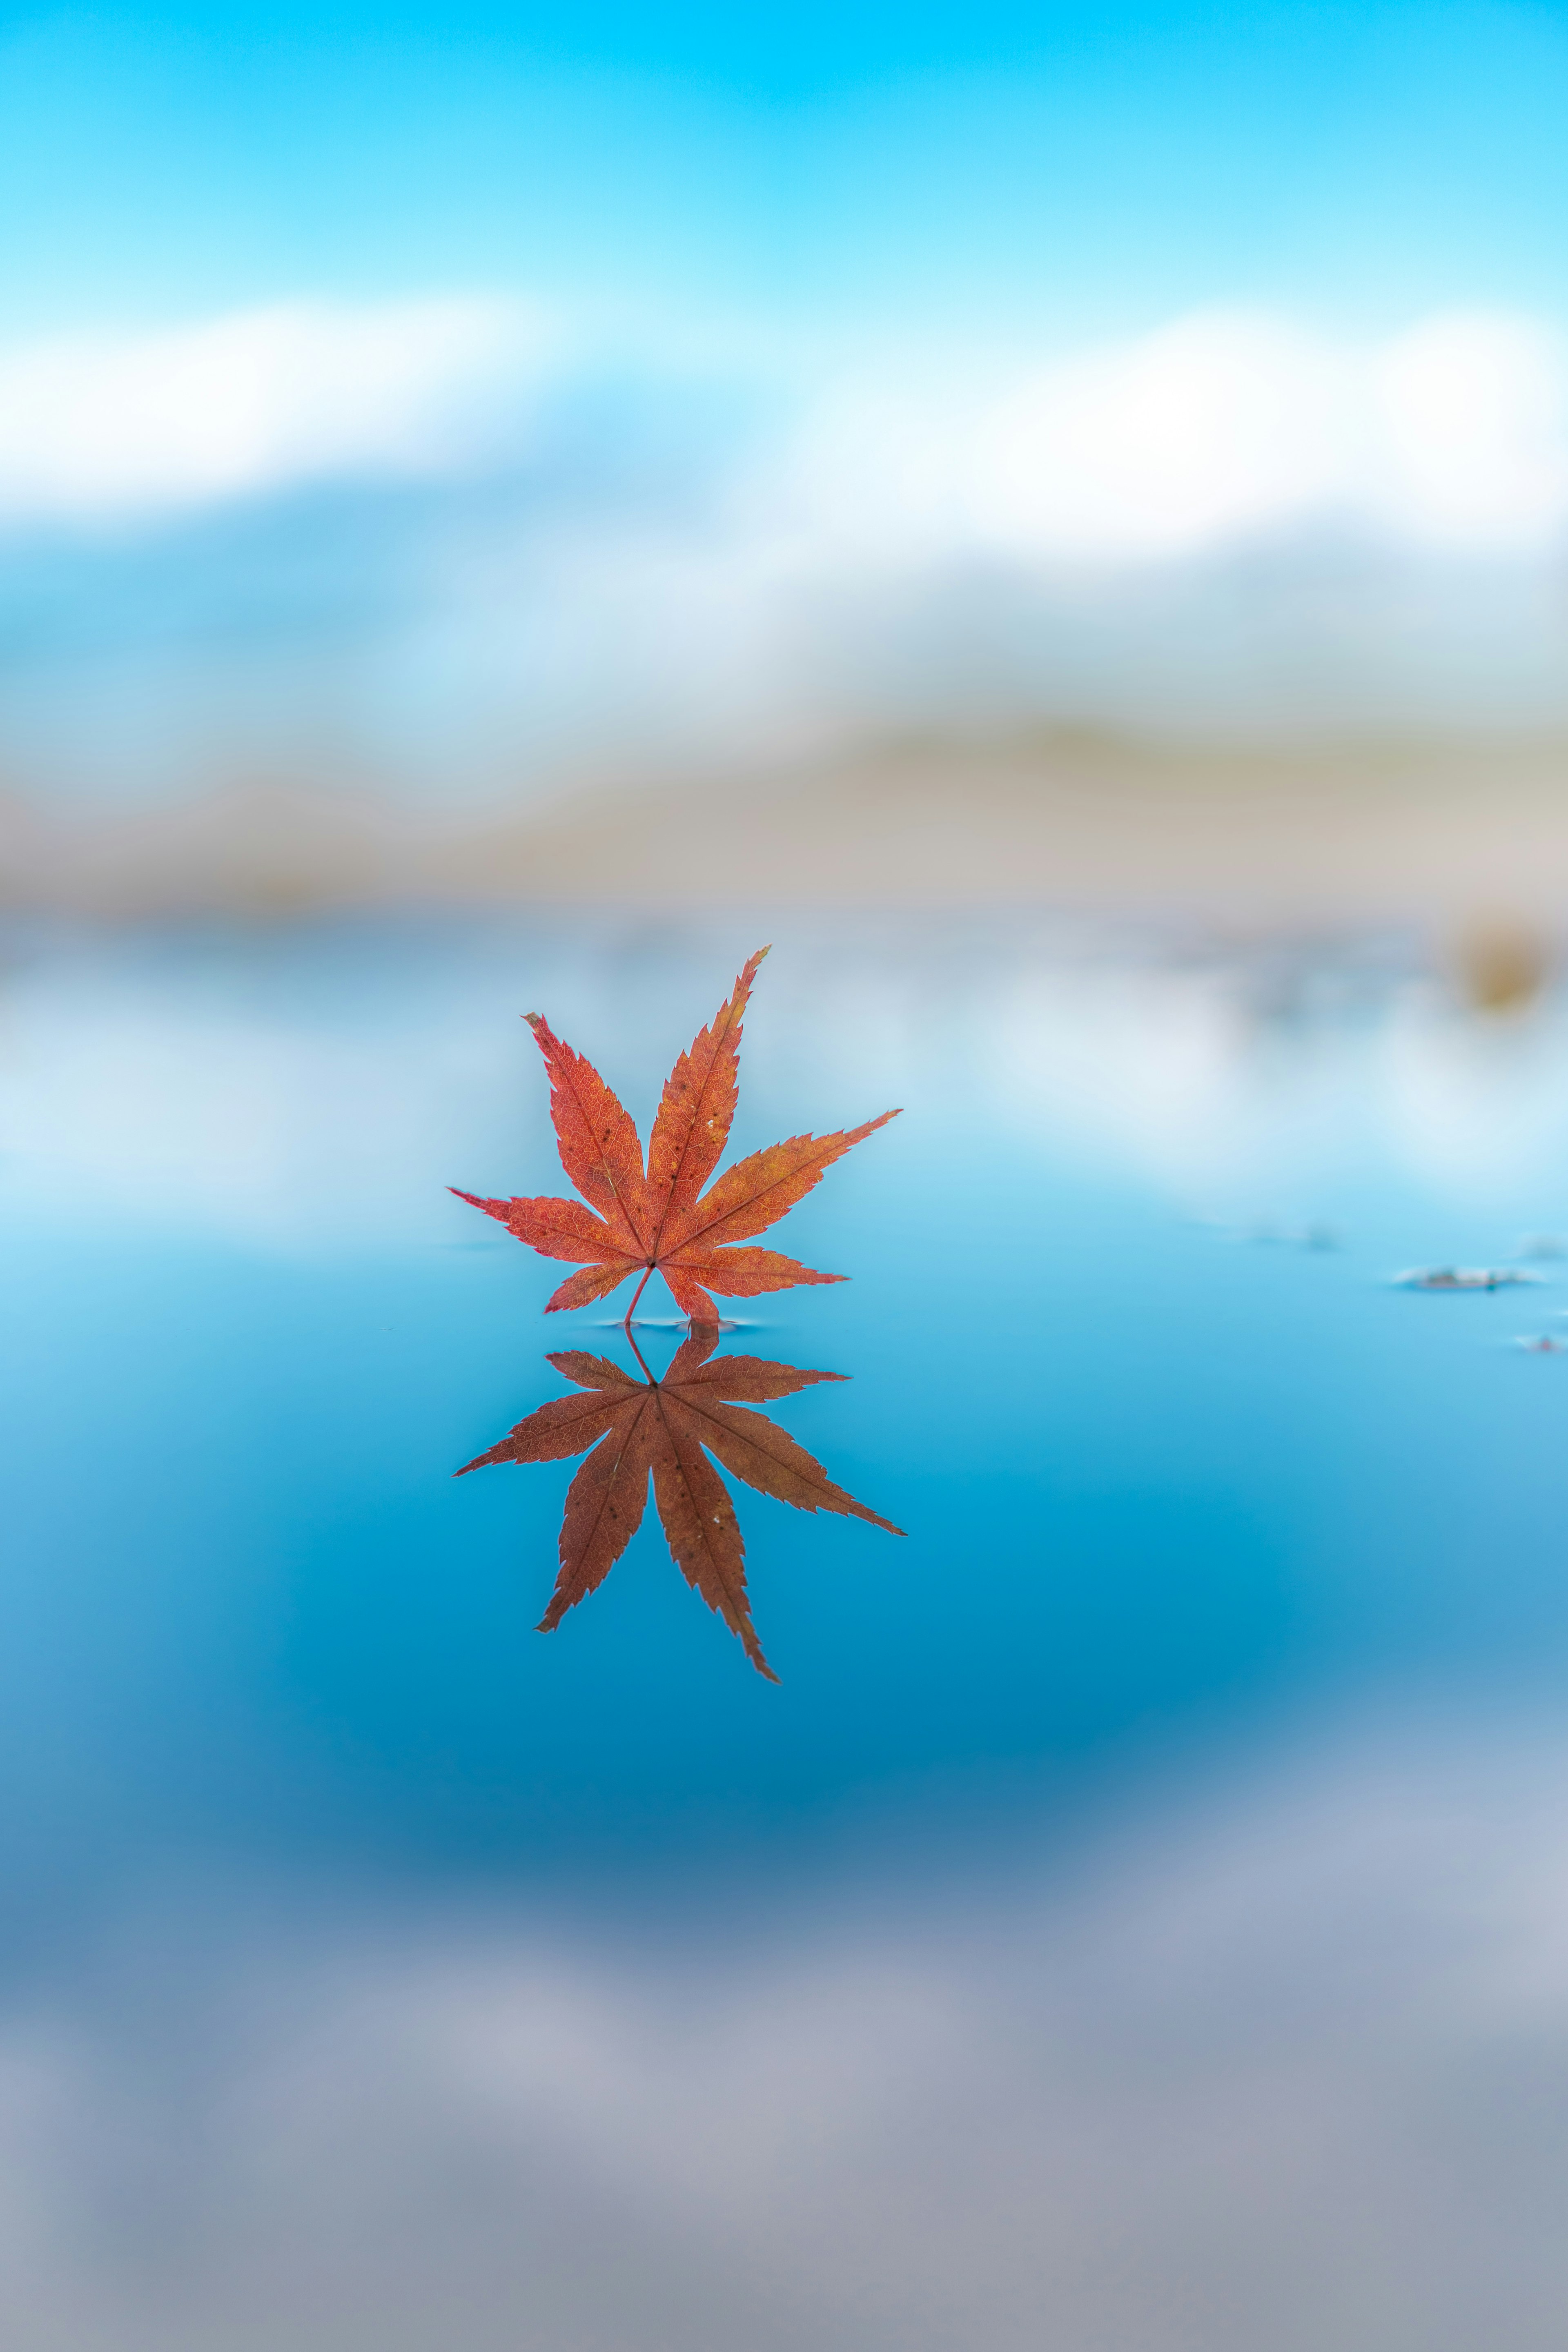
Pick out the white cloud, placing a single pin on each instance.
(1214, 429)
(1207, 430)
(1474, 410)
(1210, 430)
(120, 423)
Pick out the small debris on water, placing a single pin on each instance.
(1463, 1278)
(1541, 1343)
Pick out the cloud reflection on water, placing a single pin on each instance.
(315, 1087)
(1289, 2067)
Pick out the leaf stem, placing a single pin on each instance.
(633, 1308)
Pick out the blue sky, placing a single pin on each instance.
(1064, 170)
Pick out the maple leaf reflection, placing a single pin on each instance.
(668, 1428)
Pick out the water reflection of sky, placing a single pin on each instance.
(1127, 1922)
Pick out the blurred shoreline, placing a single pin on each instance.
(1408, 832)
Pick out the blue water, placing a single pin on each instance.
(1139, 1915)
(1163, 1482)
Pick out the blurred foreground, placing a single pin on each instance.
(1290, 2068)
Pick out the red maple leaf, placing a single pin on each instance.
(668, 1428)
(642, 1218)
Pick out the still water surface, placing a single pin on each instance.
(1029, 1963)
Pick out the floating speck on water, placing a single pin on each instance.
(1463, 1278)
